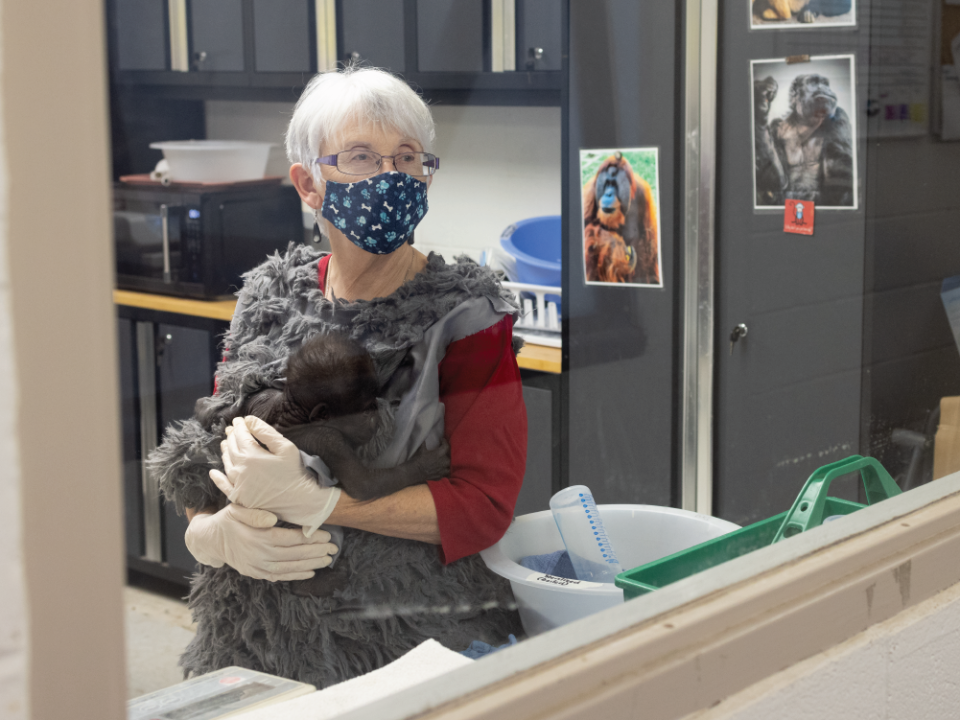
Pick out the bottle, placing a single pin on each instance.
(591, 554)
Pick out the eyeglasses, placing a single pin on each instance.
(367, 162)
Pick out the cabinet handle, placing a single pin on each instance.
(354, 56)
(199, 57)
(536, 53)
(165, 239)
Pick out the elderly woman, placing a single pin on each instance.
(441, 340)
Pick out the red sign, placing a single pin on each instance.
(798, 217)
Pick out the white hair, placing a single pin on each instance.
(332, 101)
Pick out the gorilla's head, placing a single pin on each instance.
(811, 97)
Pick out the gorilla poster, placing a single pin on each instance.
(621, 211)
(798, 14)
(804, 132)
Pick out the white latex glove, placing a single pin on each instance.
(271, 479)
(247, 541)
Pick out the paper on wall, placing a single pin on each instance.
(950, 295)
(946, 445)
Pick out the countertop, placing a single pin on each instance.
(531, 357)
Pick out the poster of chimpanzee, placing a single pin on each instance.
(805, 132)
(800, 14)
(621, 211)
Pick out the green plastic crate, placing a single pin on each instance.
(811, 506)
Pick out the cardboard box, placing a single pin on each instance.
(946, 445)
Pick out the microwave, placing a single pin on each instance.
(196, 243)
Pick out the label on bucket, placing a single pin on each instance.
(561, 581)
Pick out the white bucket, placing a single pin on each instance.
(639, 534)
(215, 161)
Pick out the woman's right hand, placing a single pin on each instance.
(246, 540)
(262, 469)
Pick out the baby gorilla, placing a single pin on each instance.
(328, 408)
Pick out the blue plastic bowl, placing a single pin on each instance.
(535, 243)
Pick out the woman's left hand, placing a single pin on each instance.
(264, 471)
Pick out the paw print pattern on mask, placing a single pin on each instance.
(377, 214)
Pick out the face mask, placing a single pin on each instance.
(377, 214)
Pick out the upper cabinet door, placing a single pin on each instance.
(372, 31)
(282, 31)
(538, 35)
(216, 35)
(450, 35)
(141, 34)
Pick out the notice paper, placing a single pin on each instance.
(899, 96)
(950, 295)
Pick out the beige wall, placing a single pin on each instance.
(58, 247)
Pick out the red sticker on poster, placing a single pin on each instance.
(798, 217)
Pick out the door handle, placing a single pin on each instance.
(740, 331)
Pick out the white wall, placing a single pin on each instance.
(13, 625)
(906, 667)
(498, 165)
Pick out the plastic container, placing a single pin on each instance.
(808, 511)
(536, 244)
(215, 161)
(584, 535)
(641, 533)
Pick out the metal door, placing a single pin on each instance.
(140, 28)
(216, 35)
(450, 35)
(373, 31)
(282, 36)
(788, 392)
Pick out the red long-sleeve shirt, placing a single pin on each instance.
(485, 422)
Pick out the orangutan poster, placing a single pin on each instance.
(621, 211)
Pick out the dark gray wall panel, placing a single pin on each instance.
(216, 28)
(769, 453)
(913, 247)
(374, 29)
(281, 35)
(908, 321)
(538, 26)
(621, 342)
(141, 34)
(450, 35)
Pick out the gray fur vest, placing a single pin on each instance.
(395, 593)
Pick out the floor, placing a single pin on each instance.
(158, 628)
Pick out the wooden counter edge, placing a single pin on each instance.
(215, 309)
(531, 357)
(539, 357)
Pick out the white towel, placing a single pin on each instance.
(426, 661)
(161, 173)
